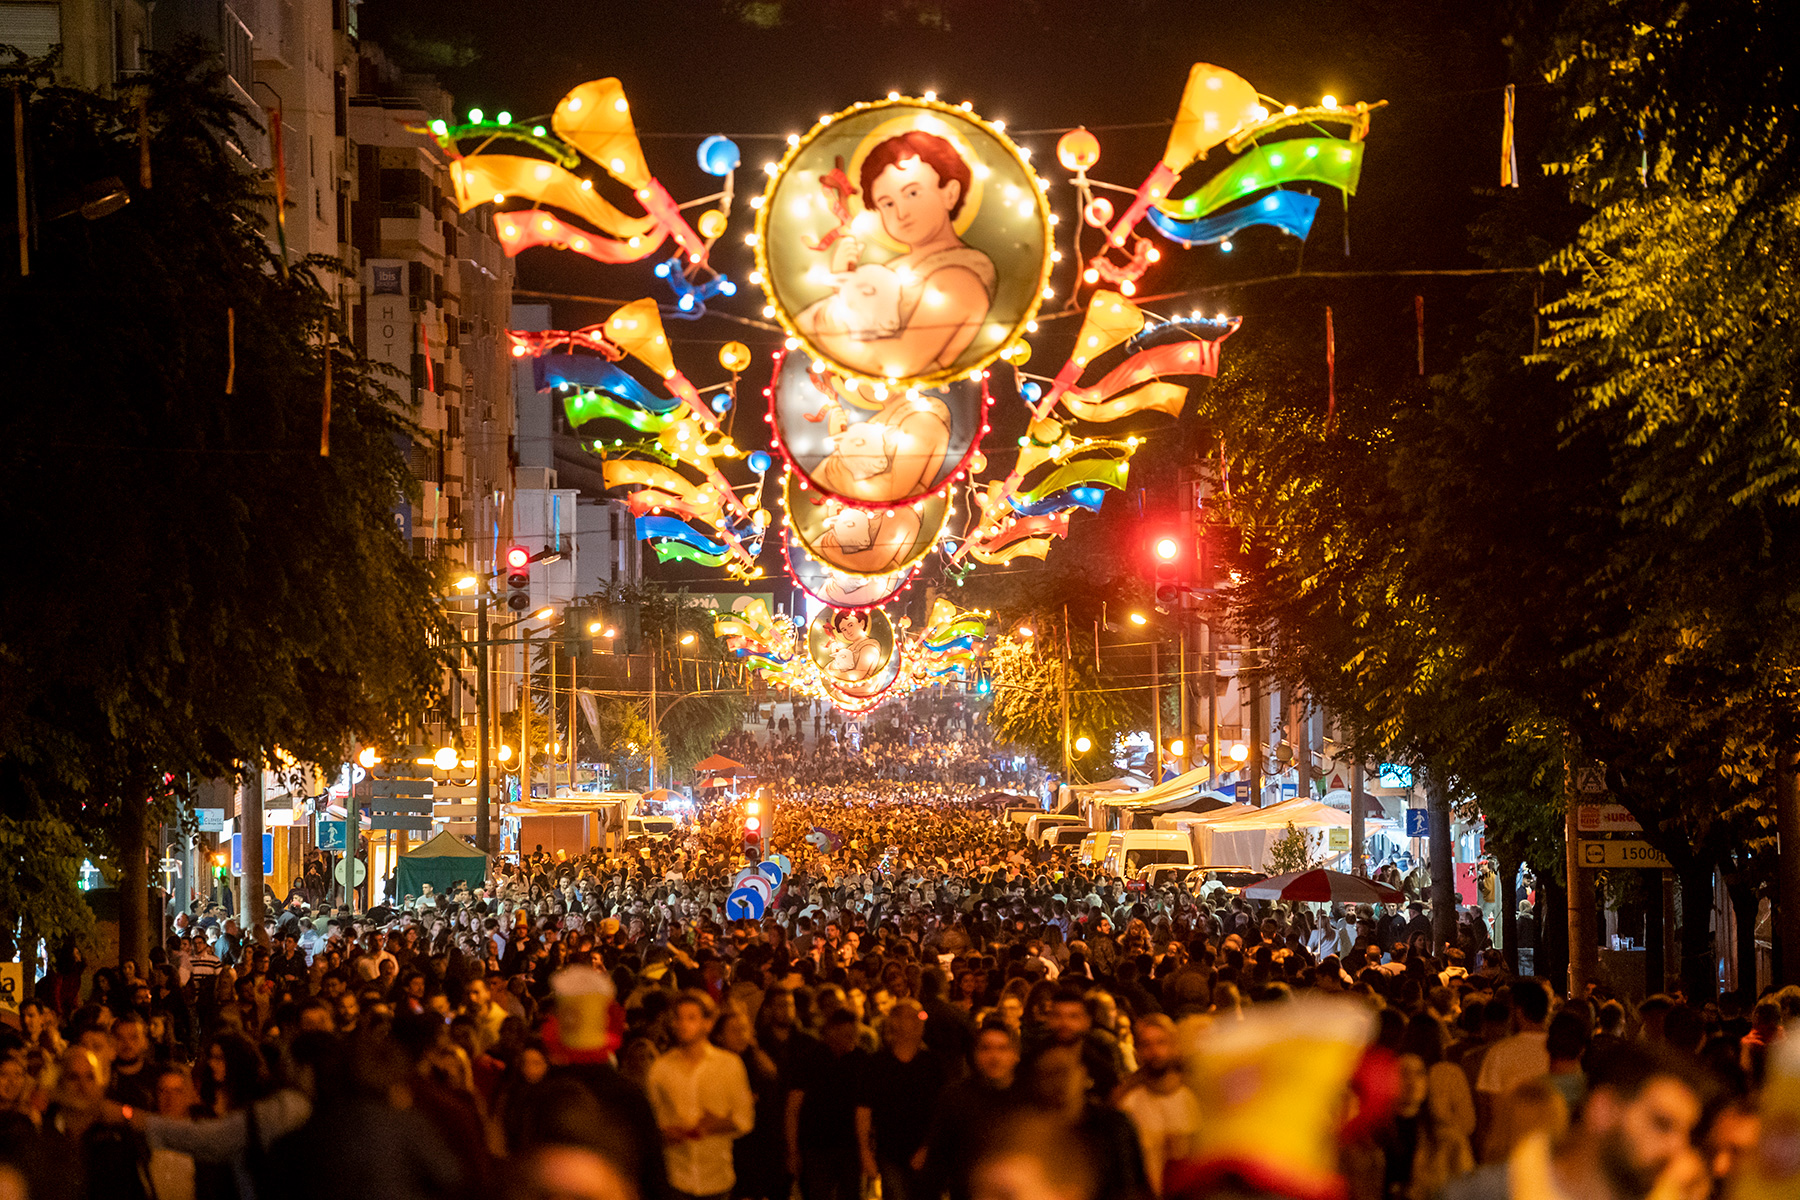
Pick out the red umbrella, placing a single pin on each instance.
(1323, 887)
(718, 764)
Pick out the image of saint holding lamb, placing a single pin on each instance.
(916, 313)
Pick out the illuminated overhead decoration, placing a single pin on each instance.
(904, 242)
(1290, 212)
(853, 649)
(870, 444)
(836, 588)
(592, 123)
(865, 542)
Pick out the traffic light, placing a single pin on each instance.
(754, 829)
(518, 579)
(1171, 550)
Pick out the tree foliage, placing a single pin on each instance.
(204, 588)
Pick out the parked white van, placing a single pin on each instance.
(1131, 850)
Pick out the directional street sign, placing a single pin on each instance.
(416, 824)
(1618, 854)
(1418, 822)
(379, 788)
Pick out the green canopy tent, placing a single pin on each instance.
(440, 862)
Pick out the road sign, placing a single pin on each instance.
(237, 852)
(399, 787)
(1337, 837)
(1622, 853)
(331, 835)
(1241, 789)
(1418, 822)
(1595, 819)
(362, 872)
(412, 805)
(414, 824)
(210, 820)
(1590, 781)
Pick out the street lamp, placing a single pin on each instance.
(1083, 744)
(1178, 747)
(1139, 619)
(446, 758)
(1025, 631)
(467, 583)
(1239, 752)
(365, 757)
(687, 639)
(594, 626)
(544, 613)
(505, 752)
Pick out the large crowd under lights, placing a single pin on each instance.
(929, 1007)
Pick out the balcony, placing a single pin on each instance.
(272, 28)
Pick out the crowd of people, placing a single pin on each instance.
(928, 1008)
(810, 744)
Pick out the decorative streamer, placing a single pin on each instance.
(1083, 497)
(325, 406)
(1330, 373)
(569, 370)
(425, 346)
(480, 178)
(1214, 105)
(669, 527)
(522, 229)
(1290, 212)
(1334, 162)
(230, 350)
(274, 115)
(584, 406)
(1419, 315)
(1097, 472)
(1509, 153)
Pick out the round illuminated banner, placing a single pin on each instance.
(904, 241)
(871, 444)
(854, 651)
(863, 542)
(835, 588)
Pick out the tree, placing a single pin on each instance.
(205, 590)
(1290, 852)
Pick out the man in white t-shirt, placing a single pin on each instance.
(1163, 1109)
(702, 1101)
(1522, 1056)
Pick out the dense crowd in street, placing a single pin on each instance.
(816, 746)
(929, 1008)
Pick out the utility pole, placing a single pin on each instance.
(652, 786)
(1184, 709)
(1156, 749)
(1067, 777)
(1584, 946)
(1255, 737)
(250, 831)
(525, 717)
(483, 802)
(550, 712)
(1210, 660)
(1357, 865)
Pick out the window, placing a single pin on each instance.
(33, 28)
(1137, 859)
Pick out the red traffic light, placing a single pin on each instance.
(517, 557)
(752, 824)
(1167, 548)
